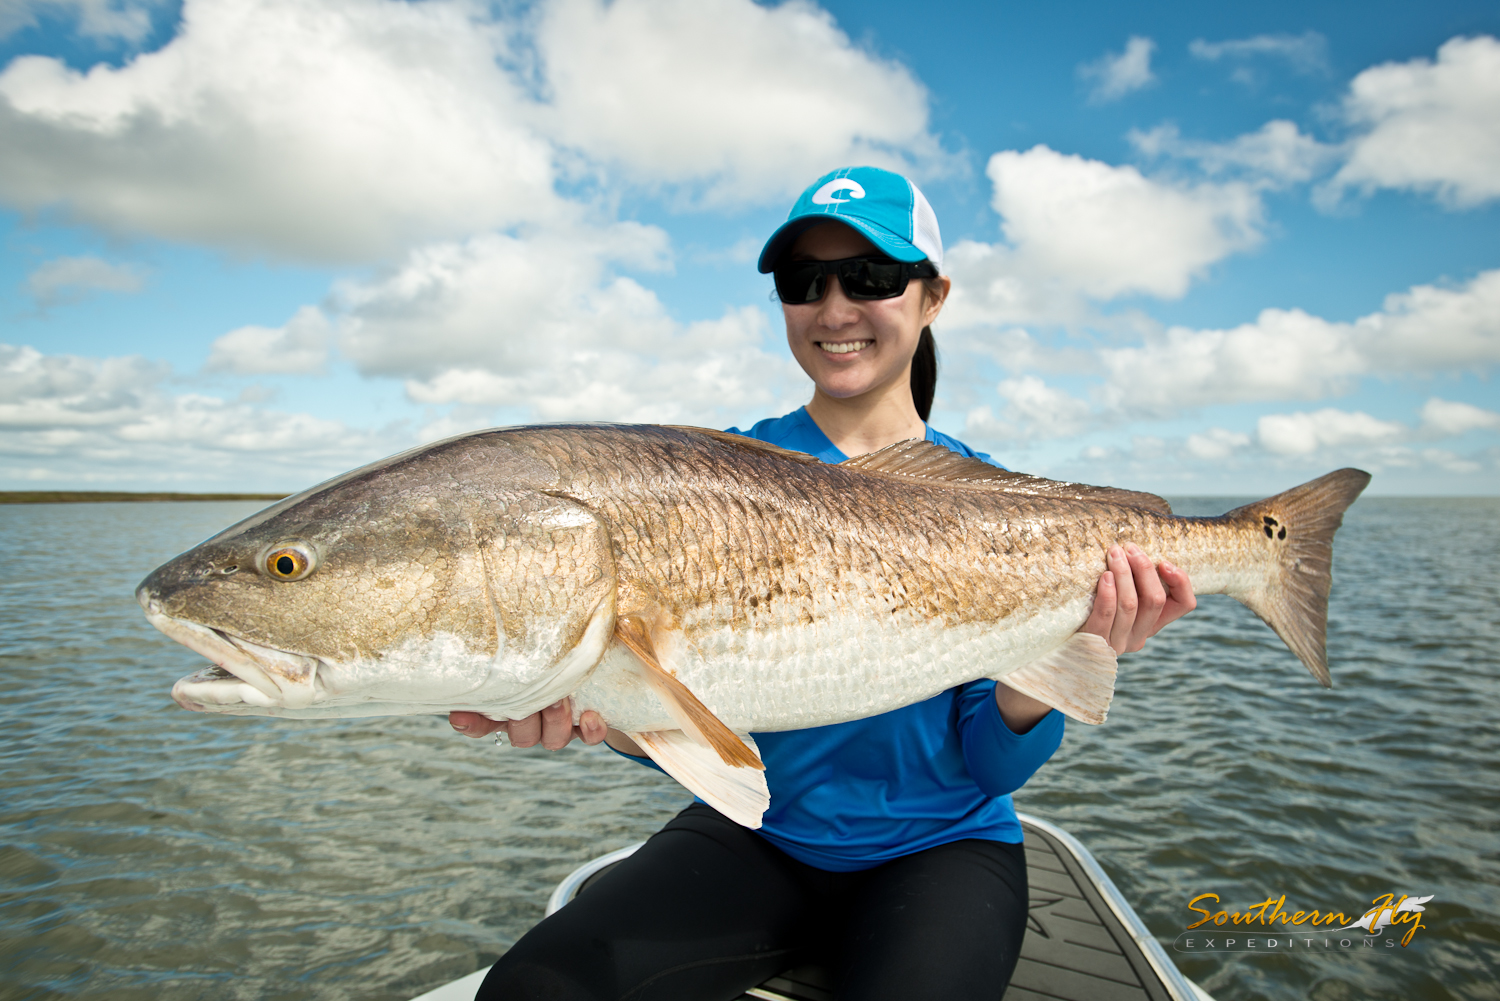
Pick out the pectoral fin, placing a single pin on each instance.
(1077, 679)
(738, 793)
(696, 720)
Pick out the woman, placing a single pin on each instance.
(891, 847)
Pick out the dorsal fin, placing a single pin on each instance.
(930, 461)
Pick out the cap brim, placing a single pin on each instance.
(884, 240)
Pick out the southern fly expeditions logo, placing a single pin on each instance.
(1267, 927)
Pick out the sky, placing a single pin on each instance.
(1198, 249)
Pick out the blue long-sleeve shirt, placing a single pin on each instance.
(852, 795)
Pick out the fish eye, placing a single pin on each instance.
(291, 561)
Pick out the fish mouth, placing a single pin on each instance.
(244, 673)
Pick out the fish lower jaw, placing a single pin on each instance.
(214, 689)
(244, 673)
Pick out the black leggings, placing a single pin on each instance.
(706, 909)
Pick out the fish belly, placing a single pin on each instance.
(835, 669)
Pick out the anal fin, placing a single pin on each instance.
(740, 794)
(1077, 679)
(696, 719)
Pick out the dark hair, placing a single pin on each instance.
(924, 364)
(924, 371)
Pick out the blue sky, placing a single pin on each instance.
(1197, 249)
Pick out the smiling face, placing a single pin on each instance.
(852, 347)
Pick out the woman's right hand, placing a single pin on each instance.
(553, 727)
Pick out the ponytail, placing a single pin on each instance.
(924, 372)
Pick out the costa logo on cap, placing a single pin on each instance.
(828, 194)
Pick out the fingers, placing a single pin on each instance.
(1102, 618)
(473, 724)
(557, 725)
(526, 732)
(591, 728)
(1126, 599)
(1180, 596)
(1151, 597)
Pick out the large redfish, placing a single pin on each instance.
(694, 586)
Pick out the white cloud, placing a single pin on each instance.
(753, 101)
(1428, 126)
(298, 348)
(1442, 418)
(502, 302)
(1448, 462)
(68, 279)
(1216, 443)
(1291, 354)
(1275, 155)
(353, 130)
(112, 419)
(1118, 75)
(333, 129)
(1033, 411)
(541, 326)
(1305, 433)
(1283, 354)
(1358, 435)
(709, 373)
(1043, 410)
(1432, 329)
(980, 424)
(1375, 440)
(40, 391)
(1111, 231)
(1083, 227)
(103, 19)
(1307, 52)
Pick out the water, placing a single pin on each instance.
(146, 852)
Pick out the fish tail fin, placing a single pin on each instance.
(1301, 523)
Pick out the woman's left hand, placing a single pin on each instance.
(1135, 599)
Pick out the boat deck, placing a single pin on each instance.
(1083, 941)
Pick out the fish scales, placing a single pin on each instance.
(689, 585)
(942, 564)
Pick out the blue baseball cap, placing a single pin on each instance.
(884, 207)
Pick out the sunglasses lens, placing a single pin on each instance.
(866, 279)
(799, 284)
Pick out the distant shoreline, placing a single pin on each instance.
(116, 496)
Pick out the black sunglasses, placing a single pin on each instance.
(799, 283)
